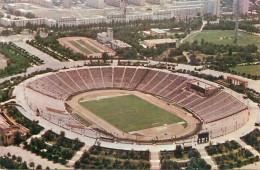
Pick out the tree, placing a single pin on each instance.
(77, 165)
(39, 166)
(19, 159)
(17, 138)
(24, 165)
(62, 134)
(30, 15)
(178, 152)
(13, 157)
(202, 41)
(32, 164)
(105, 57)
(230, 52)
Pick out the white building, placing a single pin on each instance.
(117, 44)
(50, 22)
(212, 7)
(155, 32)
(21, 21)
(116, 3)
(25, 6)
(136, 2)
(139, 17)
(45, 3)
(67, 21)
(158, 2)
(105, 37)
(99, 4)
(67, 3)
(243, 6)
(186, 3)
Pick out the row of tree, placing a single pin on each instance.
(89, 161)
(13, 162)
(120, 154)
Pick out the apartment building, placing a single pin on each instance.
(99, 4)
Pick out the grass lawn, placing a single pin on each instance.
(78, 46)
(130, 113)
(226, 37)
(88, 46)
(252, 70)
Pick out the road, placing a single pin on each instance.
(194, 32)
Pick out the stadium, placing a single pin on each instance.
(132, 104)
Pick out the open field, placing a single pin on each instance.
(130, 113)
(226, 37)
(86, 46)
(168, 122)
(252, 70)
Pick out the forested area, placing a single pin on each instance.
(182, 158)
(105, 158)
(54, 147)
(130, 33)
(230, 155)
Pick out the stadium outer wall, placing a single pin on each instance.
(216, 128)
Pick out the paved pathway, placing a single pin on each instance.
(29, 157)
(207, 158)
(34, 51)
(38, 135)
(187, 55)
(155, 159)
(78, 155)
(246, 146)
(194, 32)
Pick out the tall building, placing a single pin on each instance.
(212, 7)
(158, 2)
(116, 3)
(67, 3)
(243, 6)
(99, 4)
(45, 3)
(137, 2)
(105, 37)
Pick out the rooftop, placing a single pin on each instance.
(238, 79)
(202, 84)
(161, 41)
(3, 123)
(120, 44)
(158, 31)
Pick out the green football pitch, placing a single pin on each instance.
(226, 37)
(130, 113)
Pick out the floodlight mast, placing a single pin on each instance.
(236, 10)
(123, 8)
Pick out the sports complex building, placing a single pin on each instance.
(132, 105)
